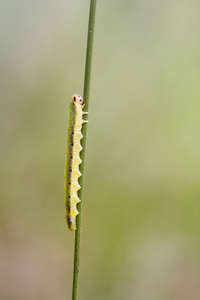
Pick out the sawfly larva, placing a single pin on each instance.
(73, 160)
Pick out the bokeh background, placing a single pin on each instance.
(141, 213)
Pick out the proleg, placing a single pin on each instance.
(73, 160)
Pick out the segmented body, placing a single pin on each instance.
(73, 160)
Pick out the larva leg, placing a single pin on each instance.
(85, 113)
(85, 121)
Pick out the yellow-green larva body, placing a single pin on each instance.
(73, 159)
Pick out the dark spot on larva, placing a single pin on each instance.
(74, 98)
(69, 182)
(69, 219)
(72, 132)
(72, 144)
(68, 196)
(71, 156)
(70, 170)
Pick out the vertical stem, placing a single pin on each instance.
(88, 65)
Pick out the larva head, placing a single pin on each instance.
(77, 98)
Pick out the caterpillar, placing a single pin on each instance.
(73, 160)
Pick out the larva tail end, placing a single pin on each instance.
(72, 228)
(71, 223)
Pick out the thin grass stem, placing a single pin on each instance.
(86, 93)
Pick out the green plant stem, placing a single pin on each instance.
(87, 80)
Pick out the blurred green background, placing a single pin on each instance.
(141, 213)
